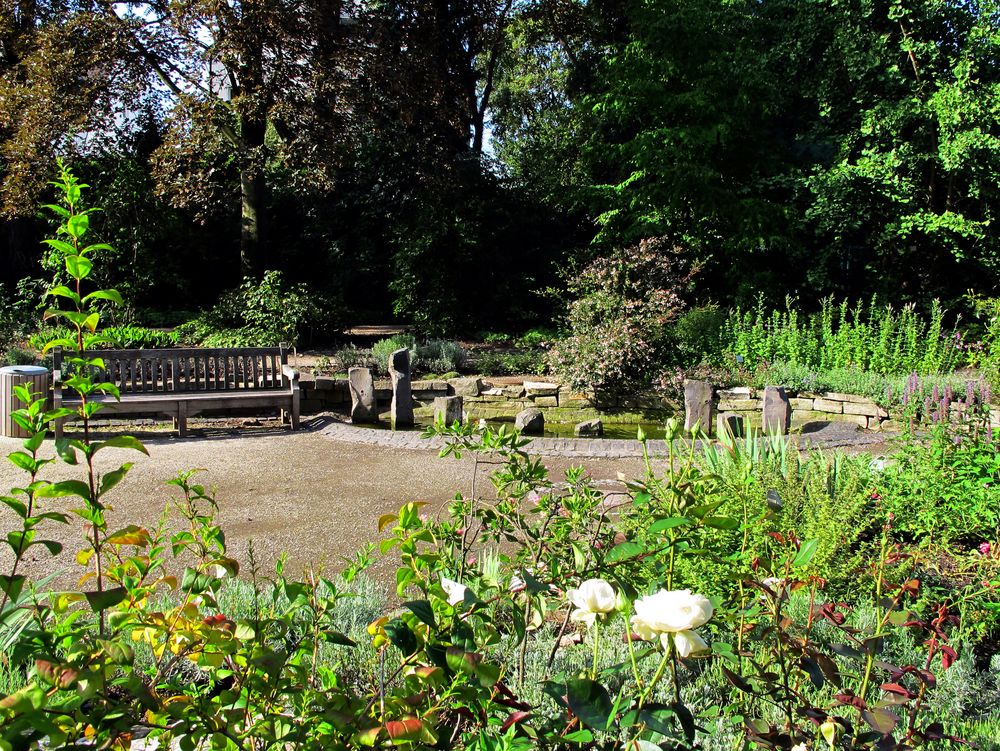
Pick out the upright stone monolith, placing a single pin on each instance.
(401, 409)
(698, 405)
(449, 409)
(777, 411)
(363, 410)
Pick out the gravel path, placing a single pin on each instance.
(315, 498)
(317, 494)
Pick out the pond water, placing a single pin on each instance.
(625, 430)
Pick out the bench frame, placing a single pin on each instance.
(181, 383)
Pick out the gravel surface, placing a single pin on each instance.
(305, 494)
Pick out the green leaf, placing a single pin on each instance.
(662, 525)
(12, 585)
(122, 442)
(422, 609)
(79, 267)
(65, 447)
(61, 245)
(806, 552)
(77, 225)
(335, 637)
(110, 479)
(65, 488)
(106, 599)
(624, 551)
(64, 291)
(22, 460)
(589, 701)
(105, 294)
(726, 523)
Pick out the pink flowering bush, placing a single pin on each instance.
(620, 317)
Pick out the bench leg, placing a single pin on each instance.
(295, 406)
(59, 428)
(182, 419)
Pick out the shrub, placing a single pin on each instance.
(620, 316)
(441, 356)
(260, 313)
(118, 337)
(434, 355)
(517, 362)
(383, 348)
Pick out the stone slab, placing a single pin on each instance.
(467, 386)
(546, 401)
(739, 405)
(797, 402)
(698, 405)
(738, 392)
(870, 409)
(541, 388)
(828, 405)
(839, 397)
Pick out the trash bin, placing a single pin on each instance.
(35, 378)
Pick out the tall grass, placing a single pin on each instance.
(873, 337)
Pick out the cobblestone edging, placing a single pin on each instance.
(591, 448)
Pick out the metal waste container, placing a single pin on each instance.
(36, 378)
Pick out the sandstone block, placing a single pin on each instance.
(401, 407)
(828, 405)
(541, 388)
(546, 401)
(467, 386)
(698, 405)
(739, 405)
(589, 428)
(362, 396)
(530, 421)
(449, 409)
(776, 411)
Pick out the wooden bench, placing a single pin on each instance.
(180, 383)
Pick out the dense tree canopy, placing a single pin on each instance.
(446, 160)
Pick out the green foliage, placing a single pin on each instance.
(431, 356)
(512, 362)
(876, 338)
(259, 313)
(118, 337)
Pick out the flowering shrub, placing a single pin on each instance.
(620, 317)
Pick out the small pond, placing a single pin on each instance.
(625, 430)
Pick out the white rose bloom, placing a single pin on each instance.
(454, 590)
(594, 597)
(689, 643)
(671, 611)
(800, 747)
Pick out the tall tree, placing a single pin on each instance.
(251, 83)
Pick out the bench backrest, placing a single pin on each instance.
(136, 371)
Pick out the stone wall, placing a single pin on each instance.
(559, 403)
(806, 408)
(483, 400)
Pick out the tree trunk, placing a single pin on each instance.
(253, 235)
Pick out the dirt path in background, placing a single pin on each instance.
(300, 493)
